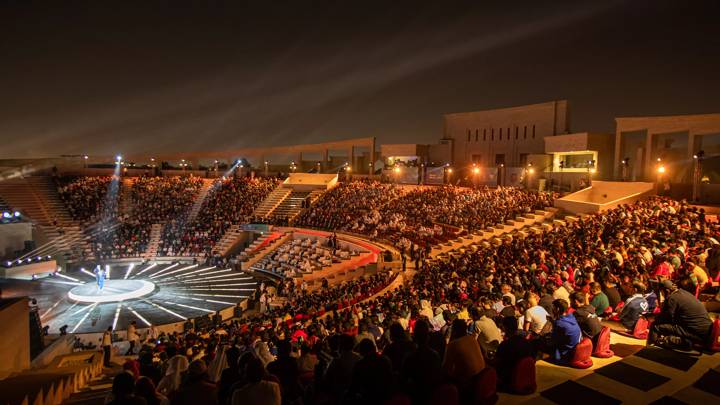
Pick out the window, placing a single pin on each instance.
(500, 159)
(477, 159)
(468, 135)
(516, 133)
(492, 134)
(484, 135)
(533, 134)
(476, 135)
(525, 132)
(508, 134)
(500, 136)
(523, 159)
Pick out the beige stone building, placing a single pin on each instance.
(504, 135)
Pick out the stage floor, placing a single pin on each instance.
(146, 293)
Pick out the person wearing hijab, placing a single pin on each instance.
(170, 383)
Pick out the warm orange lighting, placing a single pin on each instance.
(532, 171)
(661, 169)
(476, 170)
(449, 169)
(397, 169)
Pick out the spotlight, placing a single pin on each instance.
(661, 169)
(533, 170)
(8, 263)
(16, 214)
(118, 158)
(49, 257)
(6, 215)
(397, 169)
(85, 157)
(476, 170)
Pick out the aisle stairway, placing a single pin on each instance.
(126, 203)
(154, 243)
(200, 199)
(37, 198)
(228, 240)
(273, 199)
(641, 375)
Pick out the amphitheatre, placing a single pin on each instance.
(139, 260)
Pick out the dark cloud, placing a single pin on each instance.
(104, 77)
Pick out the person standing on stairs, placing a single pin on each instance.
(132, 337)
(107, 346)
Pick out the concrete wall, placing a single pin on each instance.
(604, 195)
(26, 272)
(516, 124)
(690, 126)
(13, 237)
(15, 322)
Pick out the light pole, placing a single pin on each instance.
(624, 168)
(591, 171)
(530, 170)
(266, 168)
(475, 172)
(697, 174)
(660, 174)
(85, 161)
(318, 165)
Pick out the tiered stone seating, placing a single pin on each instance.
(301, 256)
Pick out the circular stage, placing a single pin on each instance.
(113, 291)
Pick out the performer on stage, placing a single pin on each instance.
(100, 276)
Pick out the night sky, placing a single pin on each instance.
(105, 77)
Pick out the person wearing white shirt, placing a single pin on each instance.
(535, 316)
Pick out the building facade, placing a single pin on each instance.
(504, 136)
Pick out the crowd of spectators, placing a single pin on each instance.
(422, 215)
(161, 199)
(229, 202)
(86, 198)
(341, 205)
(458, 318)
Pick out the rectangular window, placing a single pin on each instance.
(492, 134)
(516, 133)
(484, 135)
(468, 135)
(500, 159)
(533, 134)
(500, 136)
(476, 135)
(523, 159)
(477, 159)
(525, 132)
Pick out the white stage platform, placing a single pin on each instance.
(113, 291)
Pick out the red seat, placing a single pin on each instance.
(523, 377)
(602, 348)
(445, 394)
(642, 328)
(485, 386)
(715, 334)
(581, 356)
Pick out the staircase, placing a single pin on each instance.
(126, 202)
(271, 202)
(291, 205)
(37, 198)
(155, 236)
(228, 240)
(200, 199)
